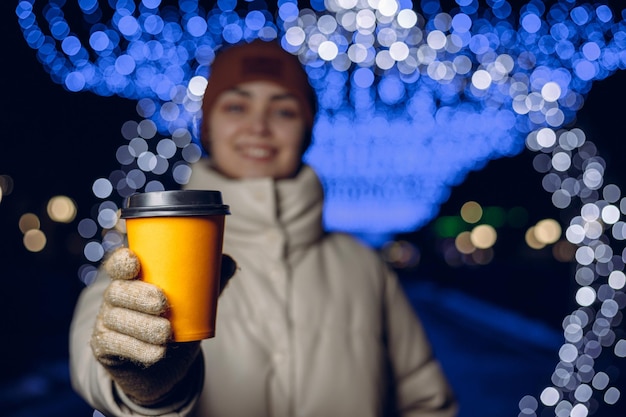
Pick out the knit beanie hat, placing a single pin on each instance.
(259, 61)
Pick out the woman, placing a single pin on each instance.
(311, 323)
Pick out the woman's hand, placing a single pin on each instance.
(132, 338)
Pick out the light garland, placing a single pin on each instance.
(456, 89)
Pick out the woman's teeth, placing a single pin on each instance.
(255, 152)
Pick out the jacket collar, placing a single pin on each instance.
(287, 212)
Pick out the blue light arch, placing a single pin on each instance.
(457, 89)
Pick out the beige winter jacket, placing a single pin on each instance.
(311, 325)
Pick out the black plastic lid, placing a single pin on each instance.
(174, 203)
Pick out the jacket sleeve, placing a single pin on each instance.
(421, 388)
(91, 381)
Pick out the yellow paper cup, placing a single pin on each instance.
(178, 236)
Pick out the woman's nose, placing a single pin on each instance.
(259, 123)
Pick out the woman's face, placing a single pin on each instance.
(256, 130)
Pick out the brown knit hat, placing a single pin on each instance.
(255, 61)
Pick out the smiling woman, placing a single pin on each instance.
(256, 130)
(259, 111)
(293, 280)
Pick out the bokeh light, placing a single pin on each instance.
(457, 89)
(34, 240)
(483, 236)
(401, 254)
(61, 209)
(464, 244)
(471, 212)
(28, 221)
(564, 251)
(531, 239)
(6, 186)
(547, 231)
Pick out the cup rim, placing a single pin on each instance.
(174, 203)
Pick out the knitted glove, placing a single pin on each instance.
(131, 338)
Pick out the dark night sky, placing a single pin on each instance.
(53, 142)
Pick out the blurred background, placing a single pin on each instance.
(495, 297)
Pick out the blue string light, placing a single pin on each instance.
(456, 89)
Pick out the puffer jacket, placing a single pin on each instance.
(312, 324)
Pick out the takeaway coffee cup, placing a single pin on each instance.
(178, 236)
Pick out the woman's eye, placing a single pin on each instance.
(233, 108)
(287, 113)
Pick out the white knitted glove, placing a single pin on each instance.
(131, 337)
